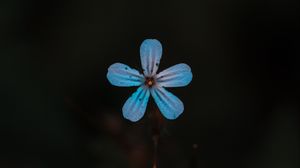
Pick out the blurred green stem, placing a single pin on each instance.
(156, 123)
(155, 145)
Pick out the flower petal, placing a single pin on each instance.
(135, 106)
(175, 76)
(150, 52)
(122, 75)
(169, 105)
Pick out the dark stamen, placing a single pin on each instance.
(149, 81)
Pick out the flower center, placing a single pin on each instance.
(149, 81)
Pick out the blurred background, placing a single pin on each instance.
(58, 109)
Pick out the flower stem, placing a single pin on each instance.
(157, 122)
(155, 145)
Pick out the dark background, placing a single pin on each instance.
(58, 109)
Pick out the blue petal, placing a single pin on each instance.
(150, 52)
(175, 76)
(169, 105)
(122, 75)
(135, 106)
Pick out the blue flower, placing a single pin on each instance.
(150, 83)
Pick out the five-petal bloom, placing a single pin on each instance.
(150, 83)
